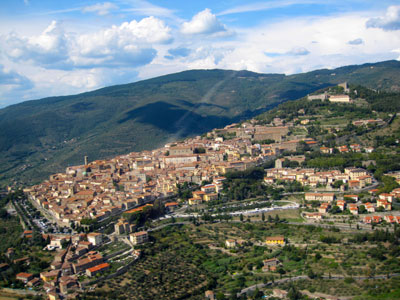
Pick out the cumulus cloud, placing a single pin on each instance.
(12, 86)
(100, 8)
(203, 23)
(14, 80)
(130, 43)
(391, 21)
(356, 42)
(48, 48)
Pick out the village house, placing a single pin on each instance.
(230, 243)
(353, 208)
(339, 99)
(313, 215)
(324, 207)
(138, 238)
(171, 206)
(383, 203)
(341, 204)
(275, 240)
(24, 277)
(270, 264)
(387, 197)
(97, 269)
(369, 207)
(329, 197)
(95, 238)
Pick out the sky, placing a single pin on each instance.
(53, 48)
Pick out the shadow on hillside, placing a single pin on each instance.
(198, 105)
(174, 119)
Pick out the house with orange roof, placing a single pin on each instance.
(97, 269)
(383, 203)
(376, 219)
(326, 150)
(323, 209)
(389, 219)
(171, 206)
(370, 207)
(367, 220)
(195, 201)
(341, 204)
(387, 197)
(354, 184)
(373, 191)
(353, 209)
(24, 277)
(138, 238)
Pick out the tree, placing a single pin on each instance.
(362, 209)
(220, 296)
(294, 293)
(241, 218)
(263, 217)
(277, 219)
(337, 184)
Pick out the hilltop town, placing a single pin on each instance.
(307, 163)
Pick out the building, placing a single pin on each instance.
(383, 203)
(275, 240)
(329, 197)
(171, 206)
(50, 275)
(313, 215)
(230, 243)
(210, 295)
(138, 238)
(95, 238)
(97, 269)
(341, 204)
(279, 293)
(24, 277)
(340, 99)
(270, 264)
(180, 150)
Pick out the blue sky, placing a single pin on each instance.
(50, 48)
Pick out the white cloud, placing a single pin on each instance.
(203, 23)
(13, 79)
(48, 48)
(129, 44)
(391, 21)
(322, 42)
(100, 8)
(12, 86)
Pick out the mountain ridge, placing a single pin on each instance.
(40, 137)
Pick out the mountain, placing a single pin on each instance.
(44, 136)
